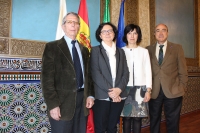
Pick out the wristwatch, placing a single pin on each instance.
(149, 91)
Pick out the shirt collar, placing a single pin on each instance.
(165, 44)
(68, 40)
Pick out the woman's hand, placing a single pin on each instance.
(117, 99)
(114, 92)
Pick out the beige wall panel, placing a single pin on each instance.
(131, 12)
(26, 48)
(152, 20)
(114, 11)
(144, 22)
(5, 6)
(4, 46)
(198, 38)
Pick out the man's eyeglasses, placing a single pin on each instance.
(107, 31)
(162, 30)
(71, 22)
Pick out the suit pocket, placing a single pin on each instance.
(177, 87)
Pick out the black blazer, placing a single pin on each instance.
(101, 72)
(58, 78)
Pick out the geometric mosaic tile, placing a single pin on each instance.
(4, 77)
(22, 108)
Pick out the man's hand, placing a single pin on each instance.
(89, 102)
(55, 113)
(147, 97)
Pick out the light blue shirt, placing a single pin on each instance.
(69, 44)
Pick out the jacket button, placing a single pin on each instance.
(74, 91)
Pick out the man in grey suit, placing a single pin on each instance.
(170, 76)
(65, 88)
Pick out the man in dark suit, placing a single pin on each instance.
(170, 76)
(66, 89)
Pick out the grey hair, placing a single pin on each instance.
(70, 13)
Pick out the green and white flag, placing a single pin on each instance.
(106, 16)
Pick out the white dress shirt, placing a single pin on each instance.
(69, 44)
(158, 48)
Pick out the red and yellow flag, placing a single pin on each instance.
(84, 33)
(84, 38)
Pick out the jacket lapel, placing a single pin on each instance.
(65, 50)
(168, 52)
(103, 52)
(154, 58)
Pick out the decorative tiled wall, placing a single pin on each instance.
(20, 64)
(20, 69)
(5, 77)
(22, 108)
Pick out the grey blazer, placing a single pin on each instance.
(58, 78)
(101, 72)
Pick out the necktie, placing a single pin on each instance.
(160, 58)
(77, 65)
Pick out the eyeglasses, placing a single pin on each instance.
(162, 30)
(107, 31)
(71, 22)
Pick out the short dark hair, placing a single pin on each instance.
(98, 31)
(131, 27)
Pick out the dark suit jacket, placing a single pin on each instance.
(101, 72)
(58, 78)
(172, 74)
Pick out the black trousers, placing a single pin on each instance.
(172, 109)
(77, 124)
(106, 115)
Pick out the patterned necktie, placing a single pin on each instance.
(160, 58)
(77, 65)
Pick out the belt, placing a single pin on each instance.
(80, 89)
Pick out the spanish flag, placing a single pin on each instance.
(84, 33)
(84, 38)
